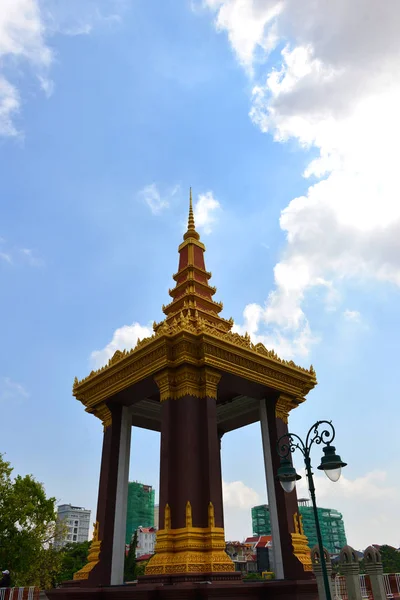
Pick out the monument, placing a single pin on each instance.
(194, 380)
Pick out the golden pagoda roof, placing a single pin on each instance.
(193, 312)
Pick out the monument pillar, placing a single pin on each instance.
(106, 556)
(190, 542)
(271, 481)
(292, 553)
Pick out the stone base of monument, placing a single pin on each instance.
(268, 590)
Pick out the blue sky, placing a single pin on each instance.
(109, 111)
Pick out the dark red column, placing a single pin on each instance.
(190, 464)
(101, 573)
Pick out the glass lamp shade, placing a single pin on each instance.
(333, 474)
(331, 463)
(287, 475)
(288, 486)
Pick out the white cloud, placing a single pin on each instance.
(156, 201)
(151, 195)
(30, 257)
(205, 211)
(21, 39)
(238, 495)
(352, 315)
(6, 257)
(25, 26)
(11, 391)
(124, 338)
(238, 500)
(15, 256)
(250, 25)
(333, 89)
(367, 499)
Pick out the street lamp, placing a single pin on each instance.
(331, 463)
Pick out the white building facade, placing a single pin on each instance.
(77, 523)
(146, 541)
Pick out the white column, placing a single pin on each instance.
(270, 479)
(118, 553)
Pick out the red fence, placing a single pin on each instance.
(20, 593)
(391, 584)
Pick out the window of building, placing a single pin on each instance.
(74, 538)
(76, 530)
(76, 522)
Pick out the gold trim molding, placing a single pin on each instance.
(284, 405)
(93, 555)
(190, 549)
(180, 346)
(300, 543)
(188, 381)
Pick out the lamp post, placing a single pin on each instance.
(331, 463)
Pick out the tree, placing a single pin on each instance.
(390, 559)
(27, 528)
(72, 557)
(130, 570)
(141, 568)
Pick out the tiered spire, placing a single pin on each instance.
(191, 230)
(192, 294)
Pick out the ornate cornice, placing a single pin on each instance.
(284, 405)
(187, 381)
(184, 342)
(191, 269)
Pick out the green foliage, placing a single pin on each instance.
(43, 573)
(252, 577)
(27, 528)
(390, 559)
(72, 558)
(130, 569)
(140, 568)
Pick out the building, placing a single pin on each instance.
(242, 555)
(261, 520)
(140, 509)
(76, 521)
(331, 523)
(146, 541)
(261, 546)
(156, 516)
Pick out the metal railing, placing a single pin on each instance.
(340, 591)
(389, 581)
(387, 586)
(19, 593)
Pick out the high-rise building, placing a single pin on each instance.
(76, 523)
(331, 523)
(140, 510)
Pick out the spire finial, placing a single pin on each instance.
(191, 230)
(191, 226)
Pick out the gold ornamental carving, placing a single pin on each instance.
(93, 555)
(283, 406)
(190, 549)
(187, 381)
(300, 544)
